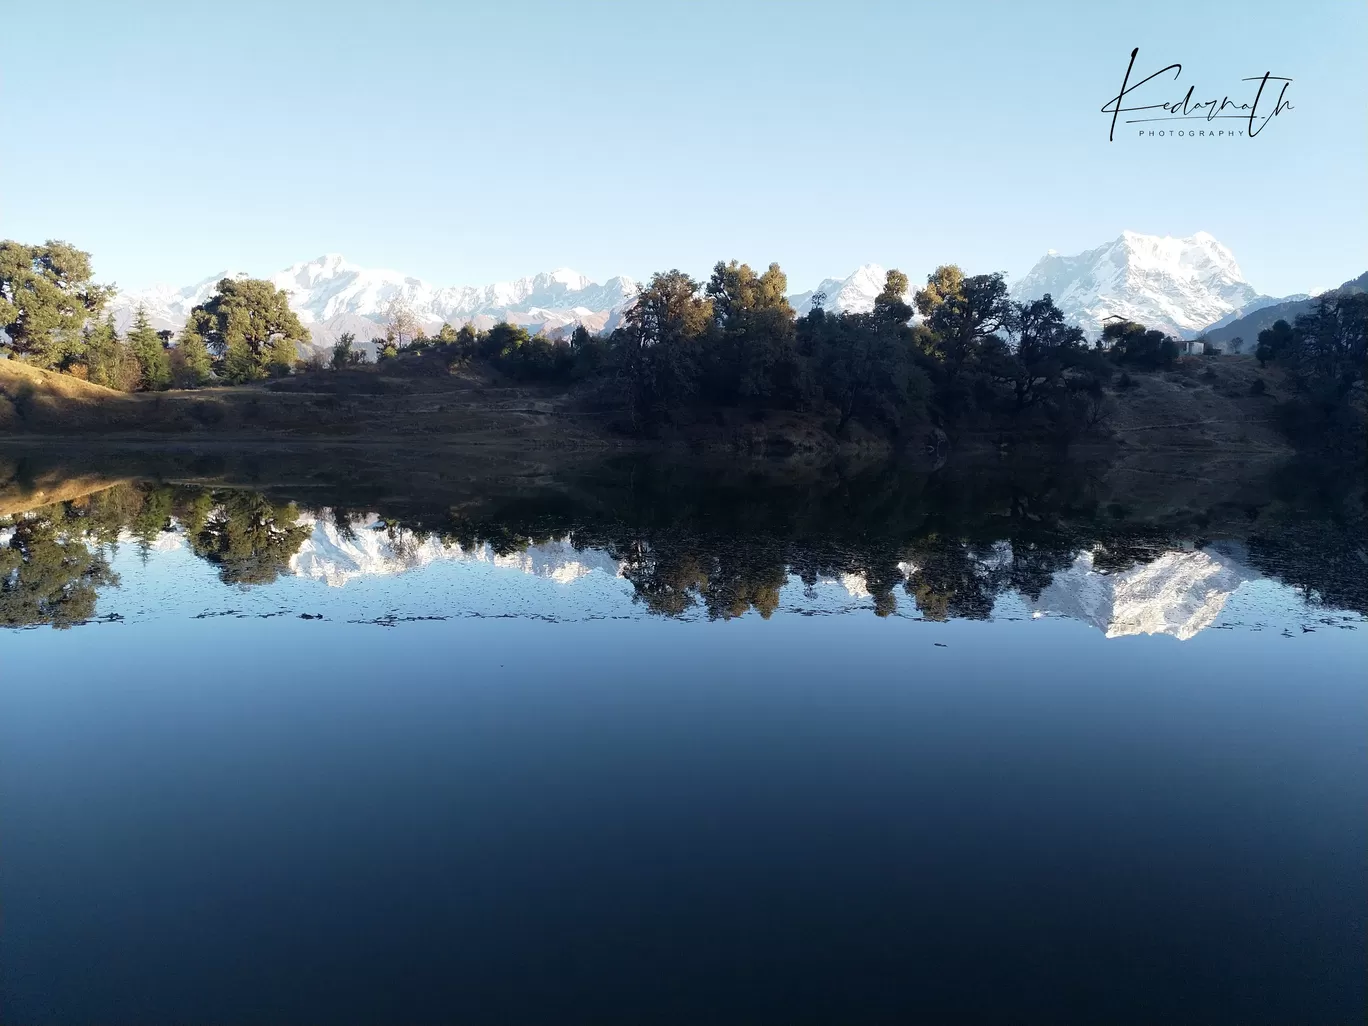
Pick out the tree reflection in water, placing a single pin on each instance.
(686, 538)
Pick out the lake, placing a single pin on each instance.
(354, 737)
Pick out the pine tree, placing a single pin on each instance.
(148, 350)
(108, 360)
(192, 358)
(102, 354)
(46, 297)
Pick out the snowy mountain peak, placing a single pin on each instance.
(852, 294)
(564, 276)
(1178, 285)
(331, 295)
(1179, 593)
(310, 272)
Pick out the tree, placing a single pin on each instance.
(660, 344)
(49, 575)
(961, 314)
(864, 362)
(1330, 343)
(146, 346)
(890, 304)
(503, 341)
(190, 363)
(249, 538)
(108, 361)
(1324, 352)
(750, 353)
(249, 326)
(1273, 342)
(1326, 347)
(1040, 346)
(1138, 346)
(401, 325)
(343, 353)
(46, 297)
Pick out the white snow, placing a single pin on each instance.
(336, 557)
(331, 295)
(166, 541)
(1179, 593)
(1179, 286)
(852, 294)
(856, 585)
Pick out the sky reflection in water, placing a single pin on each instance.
(553, 803)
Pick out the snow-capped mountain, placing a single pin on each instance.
(853, 294)
(335, 556)
(1262, 303)
(1179, 593)
(331, 295)
(1180, 286)
(166, 306)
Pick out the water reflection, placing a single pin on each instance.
(284, 817)
(1048, 537)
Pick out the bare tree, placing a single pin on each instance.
(401, 325)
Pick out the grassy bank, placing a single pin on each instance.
(1224, 404)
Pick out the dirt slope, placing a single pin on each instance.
(1205, 403)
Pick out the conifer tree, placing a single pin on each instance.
(46, 297)
(192, 358)
(249, 325)
(146, 346)
(104, 353)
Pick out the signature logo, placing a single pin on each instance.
(1187, 107)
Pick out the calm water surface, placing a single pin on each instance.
(663, 747)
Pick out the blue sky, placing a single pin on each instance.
(467, 143)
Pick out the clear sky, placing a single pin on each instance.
(467, 143)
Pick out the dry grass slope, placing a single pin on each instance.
(28, 394)
(1204, 404)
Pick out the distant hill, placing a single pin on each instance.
(1249, 326)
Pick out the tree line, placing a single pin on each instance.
(971, 357)
(690, 539)
(1325, 354)
(53, 315)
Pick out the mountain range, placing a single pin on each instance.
(1246, 325)
(1180, 285)
(1178, 593)
(332, 295)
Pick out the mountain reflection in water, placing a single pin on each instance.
(657, 762)
(1016, 539)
